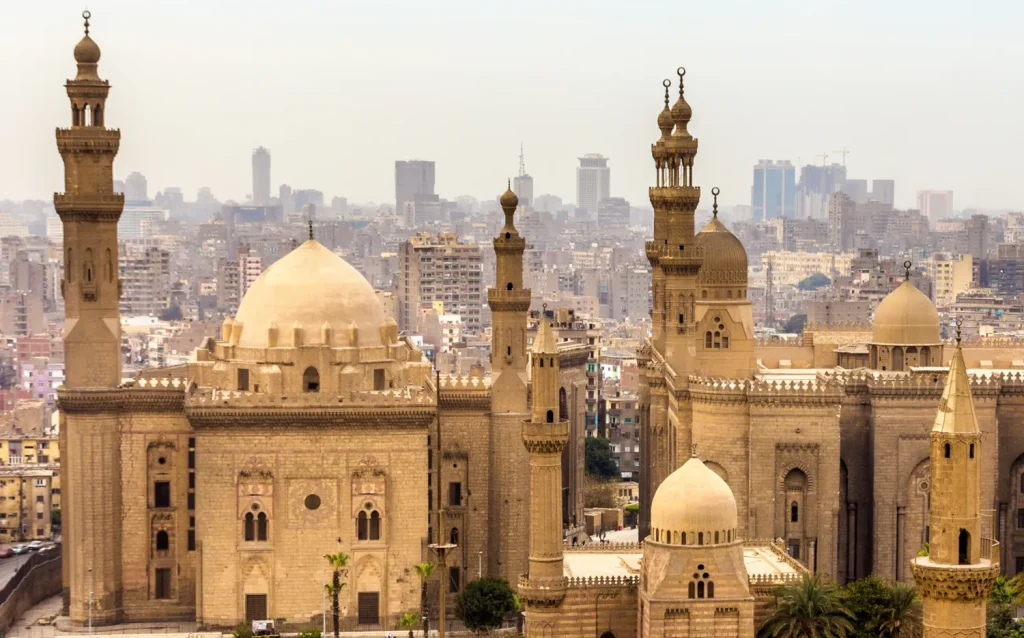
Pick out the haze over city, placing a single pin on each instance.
(920, 92)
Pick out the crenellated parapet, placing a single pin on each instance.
(767, 342)
(516, 300)
(589, 582)
(979, 341)
(795, 393)
(715, 390)
(613, 547)
(121, 400)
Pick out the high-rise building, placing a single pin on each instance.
(250, 267)
(613, 212)
(774, 191)
(841, 226)
(935, 205)
(437, 268)
(857, 190)
(145, 279)
(414, 177)
(593, 181)
(977, 236)
(135, 188)
(816, 185)
(261, 176)
(884, 191)
(522, 184)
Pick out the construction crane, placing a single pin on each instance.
(844, 152)
(522, 162)
(824, 159)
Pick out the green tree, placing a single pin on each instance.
(1002, 603)
(337, 562)
(424, 570)
(483, 603)
(901, 617)
(409, 621)
(795, 324)
(815, 281)
(866, 599)
(599, 458)
(810, 607)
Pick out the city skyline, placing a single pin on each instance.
(338, 106)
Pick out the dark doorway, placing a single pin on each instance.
(163, 583)
(255, 607)
(369, 607)
(965, 547)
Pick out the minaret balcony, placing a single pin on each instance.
(88, 205)
(513, 243)
(516, 300)
(88, 139)
(675, 198)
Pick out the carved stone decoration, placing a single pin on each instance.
(299, 490)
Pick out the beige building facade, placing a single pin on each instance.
(212, 490)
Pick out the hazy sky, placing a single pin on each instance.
(928, 92)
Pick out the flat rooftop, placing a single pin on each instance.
(761, 562)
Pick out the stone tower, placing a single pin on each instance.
(544, 436)
(509, 302)
(675, 261)
(957, 575)
(89, 209)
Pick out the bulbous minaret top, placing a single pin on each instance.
(87, 54)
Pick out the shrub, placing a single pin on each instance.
(242, 630)
(309, 633)
(484, 603)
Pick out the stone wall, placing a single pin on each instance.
(38, 579)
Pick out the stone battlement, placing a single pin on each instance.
(610, 547)
(579, 582)
(839, 326)
(465, 383)
(211, 397)
(174, 383)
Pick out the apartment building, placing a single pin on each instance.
(437, 268)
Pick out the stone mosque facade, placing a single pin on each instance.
(308, 426)
(212, 491)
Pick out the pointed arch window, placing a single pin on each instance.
(707, 340)
(363, 526)
(163, 541)
(262, 527)
(249, 528)
(311, 380)
(794, 512)
(374, 526)
(945, 450)
(453, 536)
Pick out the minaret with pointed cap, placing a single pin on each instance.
(957, 575)
(509, 301)
(89, 400)
(544, 436)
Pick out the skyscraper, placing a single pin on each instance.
(415, 177)
(774, 191)
(935, 205)
(857, 190)
(522, 184)
(884, 191)
(261, 176)
(135, 188)
(593, 181)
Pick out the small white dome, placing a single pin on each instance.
(692, 505)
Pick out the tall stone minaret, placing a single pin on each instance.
(89, 209)
(509, 301)
(956, 577)
(544, 436)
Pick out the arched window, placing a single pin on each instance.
(716, 538)
(542, 362)
(700, 589)
(508, 286)
(563, 405)
(725, 341)
(75, 121)
(362, 527)
(684, 539)
(97, 115)
(262, 527)
(711, 589)
(692, 590)
(730, 536)
(249, 528)
(163, 542)
(965, 547)
(718, 339)
(374, 526)
(972, 450)
(310, 380)
(707, 340)
(1022, 483)
(925, 356)
(945, 450)
(453, 537)
(551, 416)
(700, 538)
(794, 512)
(703, 294)
(728, 294)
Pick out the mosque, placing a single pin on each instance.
(308, 426)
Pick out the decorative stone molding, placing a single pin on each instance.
(609, 547)
(542, 593)
(580, 582)
(115, 400)
(238, 416)
(797, 447)
(509, 300)
(954, 582)
(576, 356)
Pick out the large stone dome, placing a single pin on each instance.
(694, 501)
(308, 287)
(906, 317)
(725, 259)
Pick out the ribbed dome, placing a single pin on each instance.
(665, 122)
(87, 51)
(906, 317)
(725, 259)
(307, 288)
(694, 499)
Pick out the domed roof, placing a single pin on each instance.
(87, 51)
(725, 259)
(308, 287)
(694, 499)
(509, 199)
(906, 317)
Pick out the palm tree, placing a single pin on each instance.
(337, 562)
(424, 570)
(409, 621)
(901, 618)
(809, 607)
